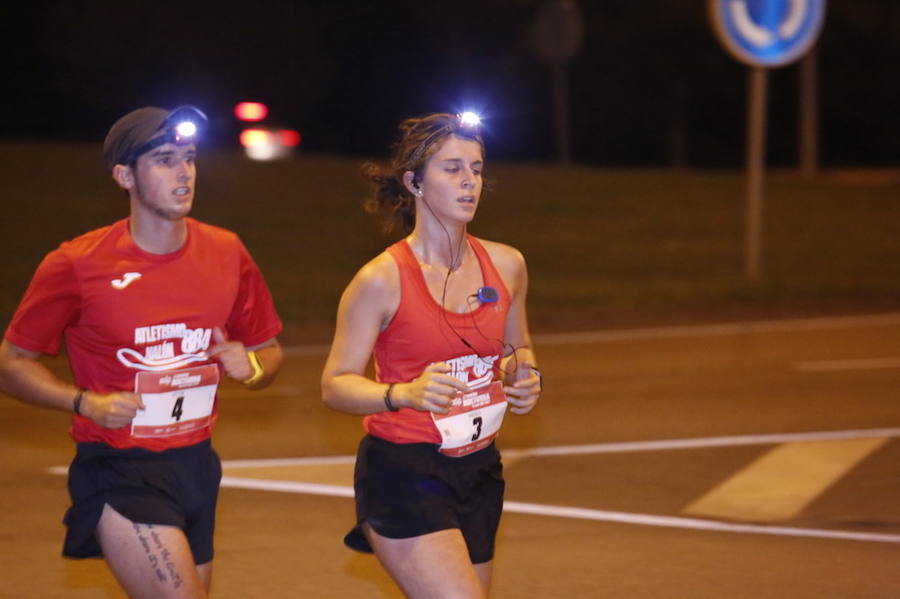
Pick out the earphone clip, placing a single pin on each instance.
(487, 295)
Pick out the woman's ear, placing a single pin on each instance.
(409, 181)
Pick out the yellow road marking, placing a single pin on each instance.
(781, 483)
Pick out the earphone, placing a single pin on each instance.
(454, 256)
(485, 294)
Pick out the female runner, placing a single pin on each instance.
(444, 314)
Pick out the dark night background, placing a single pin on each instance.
(344, 73)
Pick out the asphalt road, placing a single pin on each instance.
(742, 461)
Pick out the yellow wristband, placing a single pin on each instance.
(258, 371)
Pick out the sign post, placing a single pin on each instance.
(558, 32)
(763, 34)
(808, 108)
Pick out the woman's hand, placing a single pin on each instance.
(523, 392)
(432, 391)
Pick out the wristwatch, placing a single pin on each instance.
(258, 371)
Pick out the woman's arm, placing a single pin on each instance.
(366, 307)
(522, 381)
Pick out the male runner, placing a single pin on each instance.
(155, 309)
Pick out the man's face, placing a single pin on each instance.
(164, 180)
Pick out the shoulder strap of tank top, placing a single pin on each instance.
(403, 256)
(411, 278)
(491, 276)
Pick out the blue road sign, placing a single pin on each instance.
(767, 33)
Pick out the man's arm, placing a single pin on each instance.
(24, 377)
(270, 357)
(238, 364)
(27, 379)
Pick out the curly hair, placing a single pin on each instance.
(419, 138)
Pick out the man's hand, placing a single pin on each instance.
(113, 410)
(232, 355)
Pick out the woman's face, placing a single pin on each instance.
(451, 181)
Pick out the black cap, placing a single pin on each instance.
(129, 137)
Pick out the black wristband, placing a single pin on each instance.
(540, 378)
(387, 398)
(79, 397)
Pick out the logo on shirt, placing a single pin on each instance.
(167, 346)
(125, 281)
(474, 370)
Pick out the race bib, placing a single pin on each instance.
(176, 401)
(473, 421)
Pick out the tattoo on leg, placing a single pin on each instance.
(158, 555)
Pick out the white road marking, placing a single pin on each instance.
(621, 447)
(287, 486)
(559, 511)
(692, 523)
(275, 462)
(293, 351)
(779, 484)
(722, 329)
(686, 331)
(701, 442)
(843, 365)
(584, 513)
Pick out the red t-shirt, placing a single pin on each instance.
(419, 335)
(123, 310)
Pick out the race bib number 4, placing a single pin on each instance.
(176, 402)
(473, 421)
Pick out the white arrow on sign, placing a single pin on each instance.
(761, 36)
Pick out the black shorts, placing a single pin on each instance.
(177, 487)
(410, 489)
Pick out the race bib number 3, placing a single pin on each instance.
(176, 402)
(473, 421)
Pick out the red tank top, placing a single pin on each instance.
(419, 335)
